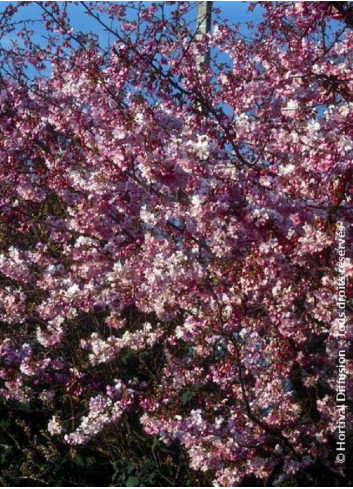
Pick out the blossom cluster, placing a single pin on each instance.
(168, 235)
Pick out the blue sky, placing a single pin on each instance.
(234, 11)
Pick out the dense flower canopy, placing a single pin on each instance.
(185, 217)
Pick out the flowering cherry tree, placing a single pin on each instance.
(169, 235)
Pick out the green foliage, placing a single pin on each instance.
(123, 457)
(129, 475)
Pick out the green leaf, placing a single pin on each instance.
(79, 460)
(132, 482)
(187, 396)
